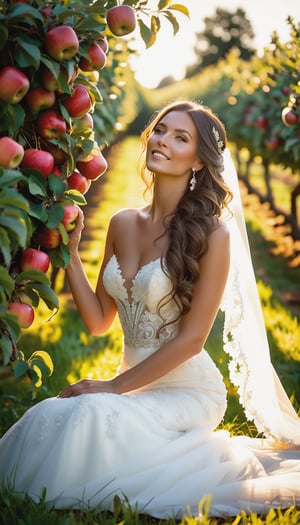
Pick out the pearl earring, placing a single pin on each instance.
(193, 181)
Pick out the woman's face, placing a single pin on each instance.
(172, 146)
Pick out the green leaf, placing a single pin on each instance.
(155, 24)
(3, 36)
(75, 196)
(55, 215)
(6, 281)
(43, 357)
(17, 227)
(46, 294)
(37, 183)
(32, 295)
(181, 8)
(56, 184)
(20, 369)
(10, 322)
(5, 246)
(15, 116)
(162, 4)
(146, 34)
(26, 12)
(5, 347)
(64, 234)
(60, 256)
(173, 21)
(12, 197)
(10, 177)
(94, 23)
(28, 55)
(38, 211)
(36, 276)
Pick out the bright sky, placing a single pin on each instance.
(170, 54)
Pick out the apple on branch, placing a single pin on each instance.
(13, 85)
(79, 102)
(33, 259)
(70, 216)
(93, 166)
(47, 237)
(50, 124)
(289, 116)
(61, 43)
(103, 43)
(24, 313)
(38, 159)
(121, 20)
(51, 83)
(60, 156)
(76, 181)
(82, 124)
(39, 98)
(11, 153)
(96, 60)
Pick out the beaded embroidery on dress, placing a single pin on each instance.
(157, 446)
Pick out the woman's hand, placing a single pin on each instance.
(87, 386)
(75, 235)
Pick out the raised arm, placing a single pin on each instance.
(193, 332)
(96, 308)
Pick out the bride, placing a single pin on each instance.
(148, 435)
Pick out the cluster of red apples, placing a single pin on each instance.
(53, 114)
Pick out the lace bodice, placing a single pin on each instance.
(138, 309)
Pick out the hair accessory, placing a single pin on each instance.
(220, 143)
(193, 181)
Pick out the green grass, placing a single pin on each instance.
(77, 354)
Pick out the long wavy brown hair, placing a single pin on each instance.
(198, 211)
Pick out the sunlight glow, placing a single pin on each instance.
(170, 55)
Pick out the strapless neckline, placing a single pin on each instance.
(128, 284)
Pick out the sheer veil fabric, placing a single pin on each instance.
(245, 340)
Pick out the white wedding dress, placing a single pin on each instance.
(156, 447)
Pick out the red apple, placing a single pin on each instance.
(52, 83)
(47, 237)
(50, 124)
(103, 43)
(13, 85)
(82, 124)
(61, 43)
(273, 143)
(121, 20)
(93, 166)
(23, 311)
(70, 216)
(39, 160)
(39, 98)
(289, 116)
(57, 171)
(96, 60)
(11, 153)
(79, 102)
(78, 182)
(32, 259)
(59, 155)
(261, 122)
(48, 13)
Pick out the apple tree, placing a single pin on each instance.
(62, 90)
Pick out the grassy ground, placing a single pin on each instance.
(76, 354)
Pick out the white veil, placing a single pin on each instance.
(245, 340)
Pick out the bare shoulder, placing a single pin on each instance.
(124, 217)
(220, 233)
(123, 224)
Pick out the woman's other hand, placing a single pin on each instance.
(87, 386)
